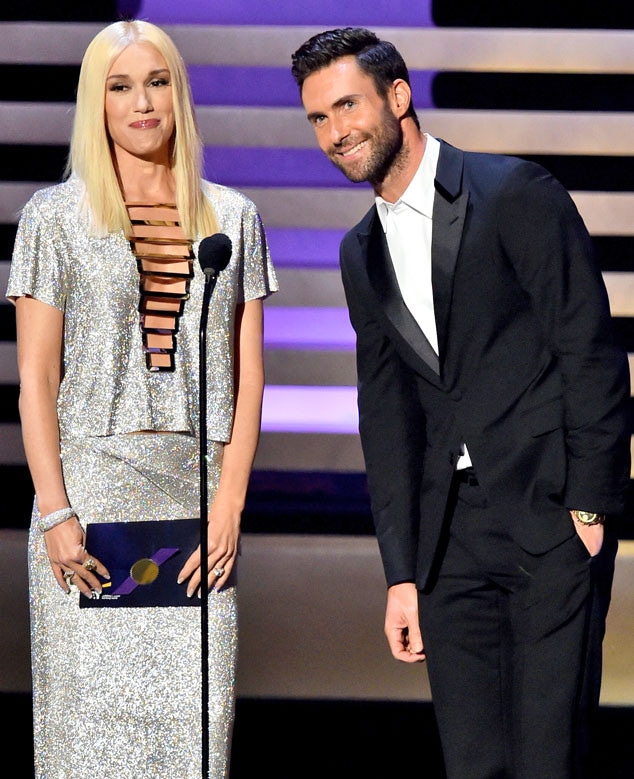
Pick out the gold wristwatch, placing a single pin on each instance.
(588, 517)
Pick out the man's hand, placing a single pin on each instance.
(401, 623)
(591, 535)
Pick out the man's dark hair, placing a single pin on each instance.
(378, 59)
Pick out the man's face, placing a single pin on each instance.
(355, 127)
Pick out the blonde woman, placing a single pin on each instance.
(108, 297)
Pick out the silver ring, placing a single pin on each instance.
(68, 577)
(89, 564)
(218, 571)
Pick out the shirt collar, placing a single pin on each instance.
(419, 195)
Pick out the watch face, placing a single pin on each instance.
(588, 517)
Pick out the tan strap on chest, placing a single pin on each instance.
(165, 261)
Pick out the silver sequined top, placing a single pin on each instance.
(106, 388)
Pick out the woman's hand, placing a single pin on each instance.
(71, 562)
(223, 540)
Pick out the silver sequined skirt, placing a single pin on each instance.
(116, 691)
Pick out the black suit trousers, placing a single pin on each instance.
(513, 644)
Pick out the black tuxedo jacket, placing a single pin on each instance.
(529, 374)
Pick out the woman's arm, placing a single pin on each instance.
(39, 340)
(226, 510)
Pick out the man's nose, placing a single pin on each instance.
(339, 130)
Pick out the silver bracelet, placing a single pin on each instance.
(48, 521)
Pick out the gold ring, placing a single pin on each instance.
(218, 571)
(89, 564)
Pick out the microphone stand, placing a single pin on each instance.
(210, 282)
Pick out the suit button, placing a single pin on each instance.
(456, 395)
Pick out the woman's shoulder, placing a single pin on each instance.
(223, 197)
(56, 199)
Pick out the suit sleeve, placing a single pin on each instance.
(392, 431)
(546, 240)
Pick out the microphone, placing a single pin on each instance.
(214, 253)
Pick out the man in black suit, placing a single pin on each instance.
(493, 405)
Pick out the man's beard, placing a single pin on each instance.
(387, 145)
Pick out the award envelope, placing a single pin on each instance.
(143, 559)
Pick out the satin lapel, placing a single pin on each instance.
(448, 220)
(385, 285)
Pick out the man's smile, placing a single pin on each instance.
(353, 150)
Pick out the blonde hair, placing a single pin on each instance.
(90, 156)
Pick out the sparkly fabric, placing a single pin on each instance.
(116, 691)
(107, 388)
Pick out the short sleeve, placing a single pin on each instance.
(37, 261)
(259, 279)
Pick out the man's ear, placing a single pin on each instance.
(400, 97)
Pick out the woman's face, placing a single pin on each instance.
(138, 104)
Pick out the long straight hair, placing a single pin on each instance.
(91, 157)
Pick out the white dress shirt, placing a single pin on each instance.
(408, 229)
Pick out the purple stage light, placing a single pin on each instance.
(232, 85)
(304, 409)
(304, 247)
(308, 328)
(396, 13)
